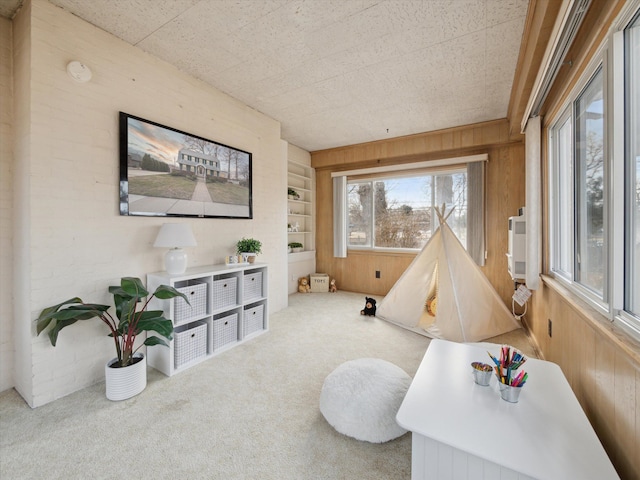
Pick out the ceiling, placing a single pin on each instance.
(333, 72)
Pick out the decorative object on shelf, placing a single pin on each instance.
(296, 227)
(289, 227)
(332, 286)
(183, 159)
(232, 260)
(369, 307)
(248, 248)
(292, 194)
(175, 236)
(130, 321)
(296, 247)
(303, 285)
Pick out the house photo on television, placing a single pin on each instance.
(167, 172)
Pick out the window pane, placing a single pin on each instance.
(399, 212)
(402, 212)
(451, 190)
(632, 192)
(360, 214)
(564, 209)
(590, 244)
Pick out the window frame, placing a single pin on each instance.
(392, 175)
(611, 57)
(568, 110)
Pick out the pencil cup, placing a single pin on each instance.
(482, 373)
(509, 393)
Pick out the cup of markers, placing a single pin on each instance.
(509, 381)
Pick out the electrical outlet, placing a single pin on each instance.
(550, 328)
(377, 273)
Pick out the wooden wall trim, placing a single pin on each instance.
(446, 142)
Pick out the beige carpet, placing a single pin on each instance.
(248, 413)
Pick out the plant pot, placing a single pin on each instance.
(125, 382)
(249, 257)
(297, 249)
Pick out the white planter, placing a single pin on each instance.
(249, 257)
(297, 249)
(125, 382)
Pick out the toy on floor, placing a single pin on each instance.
(332, 286)
(369, 307)
(303, 285)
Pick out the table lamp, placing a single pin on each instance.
(175, 236)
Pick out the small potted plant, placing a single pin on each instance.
(126, 374)
(249, 248)
(292, 194)
(296, 247)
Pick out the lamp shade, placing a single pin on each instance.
(172, 235)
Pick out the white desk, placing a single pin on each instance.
(464, 431)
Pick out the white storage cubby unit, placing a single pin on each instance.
(228, 305)
(301, 214)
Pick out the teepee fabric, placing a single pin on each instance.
(468, 308)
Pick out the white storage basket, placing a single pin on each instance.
(224, 292)
(197, 306)
(190, 344)
(252, 285)
(253, 320)
(225, 331)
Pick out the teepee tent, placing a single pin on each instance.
(444, 294)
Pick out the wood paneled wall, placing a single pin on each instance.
(505, 194)
(602, 365)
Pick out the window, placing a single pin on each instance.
(578, 196)
(632, 168)
(589, 188)
(399, 212)
(594, 155)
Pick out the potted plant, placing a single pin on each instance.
(249, 248)
(296, 247)
(292, 194)
(126, 374)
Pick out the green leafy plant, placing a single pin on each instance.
(248, 245)
(129, 322)
(295, 245)
(292, 192)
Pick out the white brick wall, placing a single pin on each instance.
(77, 242)
(6, 207)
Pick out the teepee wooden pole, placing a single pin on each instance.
(442, 218)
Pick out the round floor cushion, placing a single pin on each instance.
(361, 398)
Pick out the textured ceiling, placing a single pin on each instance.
(335, 72)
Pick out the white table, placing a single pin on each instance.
(461, 430)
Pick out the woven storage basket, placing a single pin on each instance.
(225, 331)
(252, 285)
(253, 320)
(197, 306)
(190, 344)
(224, 292)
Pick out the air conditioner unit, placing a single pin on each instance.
(516, 258)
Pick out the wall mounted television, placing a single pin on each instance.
(165, 172)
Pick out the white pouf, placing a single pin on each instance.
(361, 398)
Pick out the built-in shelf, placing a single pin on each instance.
(300, 214)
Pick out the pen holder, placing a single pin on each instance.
(509, 393)
(482, 373)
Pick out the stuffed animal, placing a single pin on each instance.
(332, 286)
(369, 307)
(303, 285)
